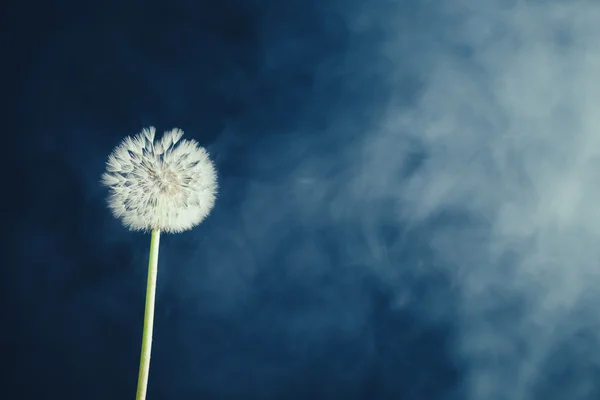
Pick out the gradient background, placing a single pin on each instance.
(409, 202)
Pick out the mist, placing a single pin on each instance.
(496, 156)
(508, 125)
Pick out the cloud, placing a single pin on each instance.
(507, 129)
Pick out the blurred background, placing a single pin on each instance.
(407, 207)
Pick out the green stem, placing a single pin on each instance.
(148, 317)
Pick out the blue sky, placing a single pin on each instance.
(408, 203)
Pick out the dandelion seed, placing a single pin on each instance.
(171, 183)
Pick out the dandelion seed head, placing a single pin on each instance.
(168, 184)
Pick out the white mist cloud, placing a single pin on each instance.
(509, 122)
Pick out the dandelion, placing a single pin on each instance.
(167, 185)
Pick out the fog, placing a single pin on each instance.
(509, 126)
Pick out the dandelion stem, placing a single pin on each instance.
(148, 317)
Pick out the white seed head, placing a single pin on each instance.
(167, 184)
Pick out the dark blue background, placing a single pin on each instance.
(275, 295)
